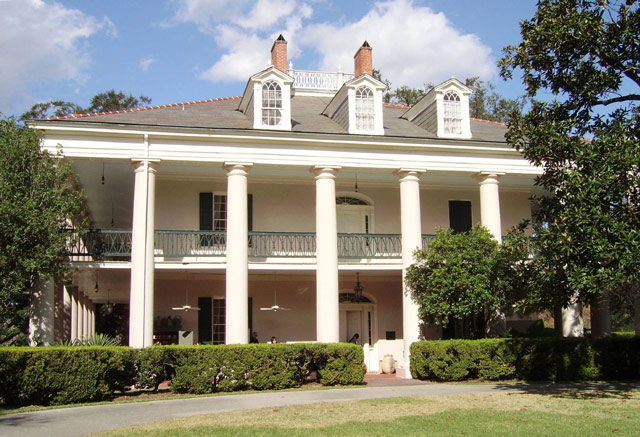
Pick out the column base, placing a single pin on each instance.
(403, 372)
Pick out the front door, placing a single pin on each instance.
(354, 325)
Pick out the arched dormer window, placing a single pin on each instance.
(271, 103)
(365, 113)
(452, 113)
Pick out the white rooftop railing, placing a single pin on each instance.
(319, 80)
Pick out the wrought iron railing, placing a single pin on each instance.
(319, 80)
(102, 244)
(426, 239)
(369, 246)
(282, 244)
(115, 244)
(190, 243)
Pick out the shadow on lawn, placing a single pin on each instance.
(576, 390)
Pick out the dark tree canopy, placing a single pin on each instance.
(37, 198)
(586, 54)
(452, 280)
(102, 102)
(116, 101)
(484, 102)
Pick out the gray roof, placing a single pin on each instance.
(306, 116)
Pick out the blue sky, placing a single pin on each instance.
(184, 50)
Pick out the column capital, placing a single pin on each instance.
(237, 168)
(138, 164)
(409, 174)
(325, 171)
(488, 177)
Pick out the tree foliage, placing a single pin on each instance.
(116, 101)
(103, 102)
(484, 102)
(452, 280)
(586, 54)
(37, 198)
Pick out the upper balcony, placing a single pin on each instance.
(318, 81)
(115, 245)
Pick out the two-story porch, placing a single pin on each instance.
(190, 264)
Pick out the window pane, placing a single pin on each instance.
(364, 109)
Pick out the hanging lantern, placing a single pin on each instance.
(357, 290)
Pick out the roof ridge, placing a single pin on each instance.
(488, 121)
(146, 108)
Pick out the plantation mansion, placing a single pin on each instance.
(291, 211)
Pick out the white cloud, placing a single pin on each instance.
(411, 44)
(42, 40)
(266, 13)
(207, 13)
(145, 63)
(248, 39)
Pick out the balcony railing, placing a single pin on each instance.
(319, 80)
(97, 244)
(369, 246)
(115, 245)
(282, 244)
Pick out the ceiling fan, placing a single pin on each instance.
(275, 307)
(186, 307)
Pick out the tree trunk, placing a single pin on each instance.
(636, 309)
(600, 315)
(572, 321)
(557, 320)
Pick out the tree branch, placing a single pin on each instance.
(627, 98)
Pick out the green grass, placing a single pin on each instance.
(571, 413)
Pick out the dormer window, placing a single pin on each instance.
(365, 112)
(452, 113)
(444, 110)
(271, 103)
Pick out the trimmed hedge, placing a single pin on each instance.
(534, 359)
(64, 375)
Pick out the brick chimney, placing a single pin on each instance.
(279, 54)
(362, 60)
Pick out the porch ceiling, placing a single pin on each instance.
(114, 284)
(110, 200)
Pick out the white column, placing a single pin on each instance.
(411, 227)
(327, 292)
(237, 276)
(81, 315)
(42, 313)
(142, 263)
(92, 319)
(85, 317)
(490, 219)
(572, 322)
(490, 203)
(75, 309)
(66, 312)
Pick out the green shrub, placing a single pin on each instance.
(209, 369)
(63, 375)
(535, 359)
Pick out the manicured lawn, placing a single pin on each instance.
(572, 413)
